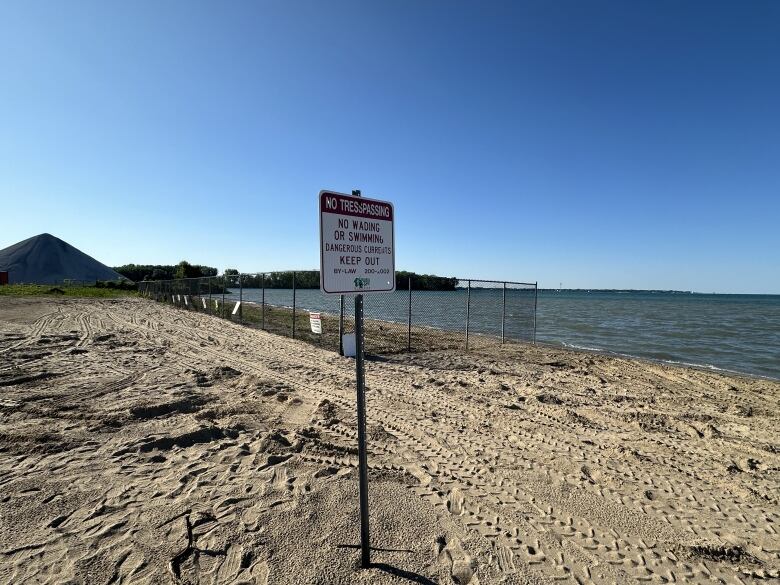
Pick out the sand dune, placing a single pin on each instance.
(144, 444)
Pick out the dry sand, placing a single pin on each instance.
(144, 444)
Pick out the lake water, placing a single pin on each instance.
(739, 333)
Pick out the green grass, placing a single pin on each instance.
(24, 290)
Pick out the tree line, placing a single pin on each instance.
(141, 272)
(281, 279)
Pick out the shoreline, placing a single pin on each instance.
(711, 368)
(732, 333)
(452, 337)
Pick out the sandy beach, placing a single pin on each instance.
(140, 443)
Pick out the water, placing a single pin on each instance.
(739, 333)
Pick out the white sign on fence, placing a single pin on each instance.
(357, 244)
(316, 322)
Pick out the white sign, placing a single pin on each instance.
(348, 345)
(357, 244)
(316, 322)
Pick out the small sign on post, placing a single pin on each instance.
(315, 322)
(357, 256)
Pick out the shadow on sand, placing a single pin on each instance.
(402, 573)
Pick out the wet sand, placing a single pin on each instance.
(140, 443)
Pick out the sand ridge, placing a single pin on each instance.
(144, 444)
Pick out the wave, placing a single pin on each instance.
(586, 348)
(673, 362)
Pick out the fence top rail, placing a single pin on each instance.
(291, 271)
(496, 281)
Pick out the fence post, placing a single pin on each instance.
(341, 325)
(224, 286)
(536, 297)
(209, 303)
(293, 324)
(468, 310)
(409, 319)
(241, 298)
(262, 302)
(503, 314)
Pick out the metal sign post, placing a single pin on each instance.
(357, 255)
(365, 545)
(341, 325)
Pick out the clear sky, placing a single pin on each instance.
(595, 144)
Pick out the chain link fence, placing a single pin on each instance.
(477, 313)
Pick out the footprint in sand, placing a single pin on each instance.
(461, 566)
(455, 502)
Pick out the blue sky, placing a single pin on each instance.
(598, 144)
